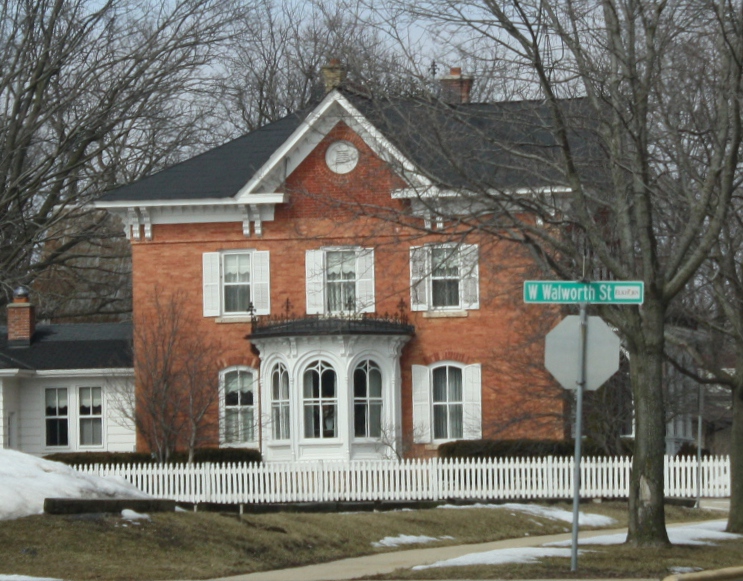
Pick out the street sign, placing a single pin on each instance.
(563, 353)
(609, 292)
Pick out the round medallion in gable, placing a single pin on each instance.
(341, 157)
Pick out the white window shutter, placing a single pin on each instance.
(261, 290)
(419, 272)
(470, 276)
(315, 272)
(472, 400)
(212, 292)
(365, 281)
(421, 405)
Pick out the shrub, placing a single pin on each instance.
(201, 455)
(515, 448)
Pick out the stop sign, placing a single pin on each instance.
(562, 353)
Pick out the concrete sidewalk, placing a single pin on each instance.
(384, 563)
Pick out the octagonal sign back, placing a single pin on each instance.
(562, 352)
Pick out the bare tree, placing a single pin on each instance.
(275, 65)
(631, 181)
(177, 380)
(92, 95)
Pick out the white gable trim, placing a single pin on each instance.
(313, 130)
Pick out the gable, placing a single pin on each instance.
(316, 190)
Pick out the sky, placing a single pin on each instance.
(26, 480)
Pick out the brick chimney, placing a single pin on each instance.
(333, 75)
(21, 319)
(455, 87)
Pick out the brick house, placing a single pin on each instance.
(353, 322)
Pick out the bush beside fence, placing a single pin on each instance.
(410, 480)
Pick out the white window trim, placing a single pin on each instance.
(321, 401)
(223, 443)
(421, 279)
(287, 402)
(316, 280)
(81, 417)
(367, 400)
(213, 283)
(69, 417)
(423, 401)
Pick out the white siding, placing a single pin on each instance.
(118, 434)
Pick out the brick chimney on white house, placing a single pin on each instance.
(21, 319)
(456, 87)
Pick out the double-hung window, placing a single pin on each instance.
(235, 281)
(90, 404)
(56, 418)
(447, 402)
(320, 401)
(340, 280)
(444, 277)
(367, 400)
(280, 402)
(239, 407)
(448, 412)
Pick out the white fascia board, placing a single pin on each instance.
(108, 372)
(16, 373)
(434, 192)
(313, 124)
(258, 199)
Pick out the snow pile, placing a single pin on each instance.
(407, 540)
(25, 481)
(549, 512)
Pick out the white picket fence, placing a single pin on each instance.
(408, 480)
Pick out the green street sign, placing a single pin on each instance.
(626, 292)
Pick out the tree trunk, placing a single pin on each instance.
(735, 517)
(647, 525)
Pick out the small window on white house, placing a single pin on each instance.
(340, 280)
(280, 402)
(320, 401)
(447, 402)
(56, 418)
(233, 281)
(91, 416)
(444, 276)
(367, 400)
(239, 406)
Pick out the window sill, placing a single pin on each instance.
(444, 314)
(245, 445)
(235, 319)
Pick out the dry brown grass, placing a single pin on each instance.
(186, 545)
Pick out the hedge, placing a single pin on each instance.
(516, 448)
(201, 455)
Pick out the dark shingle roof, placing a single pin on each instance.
(84, 346)
(215, 174)
(507, 145)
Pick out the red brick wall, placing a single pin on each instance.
(325, 208)
(21, 321)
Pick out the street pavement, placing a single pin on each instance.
(385, 563)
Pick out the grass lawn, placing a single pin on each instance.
(186, 545)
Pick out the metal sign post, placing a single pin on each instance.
(579, 433)
(563, 353)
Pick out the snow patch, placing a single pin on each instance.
(500, 557)
(407, 540)
(549, 512)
